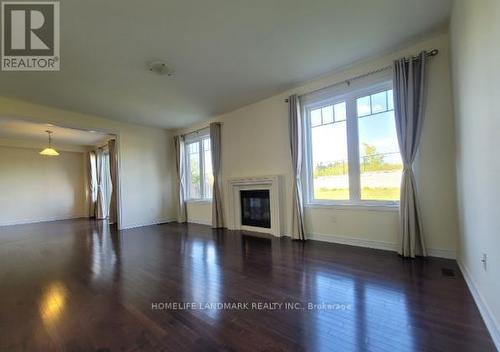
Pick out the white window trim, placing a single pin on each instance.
(348, 95)
(199, 137)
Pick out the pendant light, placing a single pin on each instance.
(49, 151)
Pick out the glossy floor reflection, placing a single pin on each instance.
(81, 286)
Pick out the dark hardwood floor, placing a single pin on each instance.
(79, 286)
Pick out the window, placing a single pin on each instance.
(352, 148)
(199, 168)
(208, 179)
(329, 152)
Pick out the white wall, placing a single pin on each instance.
(146, 157)
(37, 188)
(200, 212)
(475, 33)
(255, 142)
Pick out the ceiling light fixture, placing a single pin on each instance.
(49, 151)
(160, 68)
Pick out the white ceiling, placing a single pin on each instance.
(32, 131)
(225, 53)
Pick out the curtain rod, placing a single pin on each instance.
(431, 53)
(194, 132)
(197, 131)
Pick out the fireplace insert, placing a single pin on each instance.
(255, 208)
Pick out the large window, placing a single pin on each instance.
(352, 148)
(199, 169)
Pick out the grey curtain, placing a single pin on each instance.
(181, 177)
(215, 146)
(113, 169)
(92, 182)
(100, 209)
(295, 129)
(408, 81)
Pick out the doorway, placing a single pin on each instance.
(48, 173)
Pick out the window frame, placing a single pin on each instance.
(349, 96)
(199, 138)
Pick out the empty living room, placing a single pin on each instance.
(267, 175)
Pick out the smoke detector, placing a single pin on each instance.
(160, 68)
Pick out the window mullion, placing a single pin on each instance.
(353, 150)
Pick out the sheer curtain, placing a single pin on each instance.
(408, 81)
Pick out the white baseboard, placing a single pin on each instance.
(156, 222)
(353, 241)
(489, 319)
(376, 244)
(37, 221)
(442, 253)
(126, 227)
(199, 222)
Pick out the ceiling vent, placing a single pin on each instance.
(160, 68)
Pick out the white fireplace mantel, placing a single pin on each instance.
(271, 183)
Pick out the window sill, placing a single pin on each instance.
(393, 207)
(199, 201)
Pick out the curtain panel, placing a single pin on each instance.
(100, 209)
(181, 176)
(91, 182)
(409, 90)
(296, 147)
(217, 202)
(113, 170)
